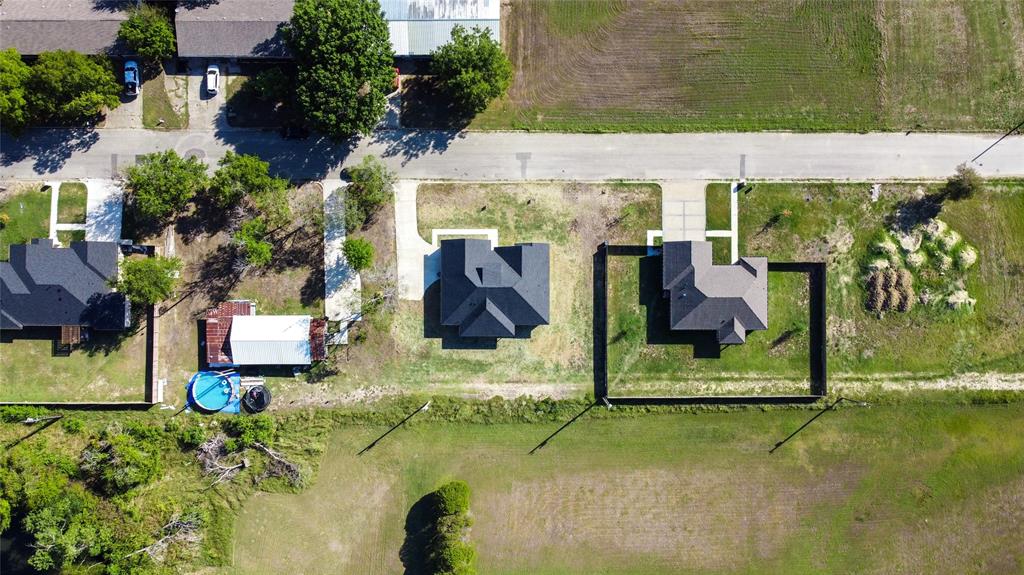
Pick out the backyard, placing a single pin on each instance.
(916, 488)
(843, 65)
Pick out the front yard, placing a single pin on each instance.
(26, 215)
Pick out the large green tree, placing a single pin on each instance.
(252, 239)
(70, 87)
(148, 31)
(160, 184)
(247, 177)
(345, 64)
(148, 280)
(14, 111)
(372, 187)
(472, 68)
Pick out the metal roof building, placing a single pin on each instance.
(729, 300)
(252, 28)
(236, 336)
(88, 26)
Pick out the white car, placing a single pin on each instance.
(212, 79)
(131, 78)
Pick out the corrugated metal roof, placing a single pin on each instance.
(271, 340)
(424, 36)
(441, 9)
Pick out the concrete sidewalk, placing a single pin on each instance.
(342, 285)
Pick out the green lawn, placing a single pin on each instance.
(28, 210)
(909, 489)
(103, 369)
(818, 65)
(71, 203)
(157, 104)
(717, 204)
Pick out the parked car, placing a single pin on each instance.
(212, 79)
(131, 78)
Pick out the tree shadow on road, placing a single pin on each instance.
(51, 148)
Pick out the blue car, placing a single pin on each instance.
(131, 78)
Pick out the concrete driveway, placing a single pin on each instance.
(204, 110)
(126, 116)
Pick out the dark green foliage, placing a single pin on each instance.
(448, 553)
(963, 184)
(453, 498)
(19, 413)
(252, 238)
(191, 437)
(345, 64)
(359, 253)
(5, 515)
(249, 430)
(242, 175)
(72, 425)
(160, 184)
(122, 458)
(148, 280)
(472, 68)
(271, 85)
(14, 74)
(372, 186)
(148, 31)
(69, 87)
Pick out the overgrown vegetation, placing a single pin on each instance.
(472, 69)
(162, 184)
(372, 186)
(148, 280)
(251, 238)
(345, 64)
(148, 32)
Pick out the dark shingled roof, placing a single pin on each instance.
(233, 28)
(87, 26)
(490, 293)
(47, 286)
(729, 300)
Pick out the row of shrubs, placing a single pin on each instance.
(449, 552)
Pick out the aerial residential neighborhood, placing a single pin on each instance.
(620, 287)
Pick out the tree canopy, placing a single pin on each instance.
(345, 64)
(148, 31)
(252, 238)
(14, 74)
(67, 86)
(359, 253)
(148, 280)
(163, 183)
(372, 186)
(472, 68)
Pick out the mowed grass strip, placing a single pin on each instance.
(818, 65)
(931, 488)
(71, 204)
(28, 216)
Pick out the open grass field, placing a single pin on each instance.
(910, 489)
(71, 203)
(573, 218)
(816, 65)
(28, 210)
(835, 222)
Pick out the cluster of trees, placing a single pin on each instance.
(60, 87)
(346, 65)
(448, 551)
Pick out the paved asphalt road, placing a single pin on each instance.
(69, 153)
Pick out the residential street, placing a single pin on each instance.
(81, 153)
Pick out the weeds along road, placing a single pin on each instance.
(500, 156)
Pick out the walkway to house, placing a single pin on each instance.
(54, 186)
(683, 215)
(342, 285)
(103, 210)
(416, 257)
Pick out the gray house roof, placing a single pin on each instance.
(252, 28)
(491, 293)
(46, 286)
(729, 300)
(87, 26)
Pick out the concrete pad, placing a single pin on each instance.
(103, 210)
(342, 284)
